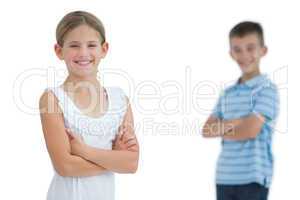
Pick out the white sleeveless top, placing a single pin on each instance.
(96, 132)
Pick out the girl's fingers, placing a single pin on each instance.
(69, 131)
(127, 137)
(122, 130)
(70, 135)
(73, 136)
(133, 148)
(131, 142)
(118, 138)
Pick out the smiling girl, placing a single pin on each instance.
(88, 128)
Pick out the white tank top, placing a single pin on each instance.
(96, 132)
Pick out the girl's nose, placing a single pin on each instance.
(83, 51)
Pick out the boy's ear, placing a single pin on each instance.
(104, 49)
(264, 50)
(230, 53)
(58, 51)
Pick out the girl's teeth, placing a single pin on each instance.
(83, 62)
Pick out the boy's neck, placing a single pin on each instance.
(247, 76)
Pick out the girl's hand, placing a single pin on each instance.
(78, 147)
(125, 140)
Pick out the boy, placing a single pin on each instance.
(244, 118)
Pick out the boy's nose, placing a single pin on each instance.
(244, 55)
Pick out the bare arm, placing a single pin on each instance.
(215, 127)
(58, 143)
(238, 129)
(249, 128)
(117, 160)
(114, 160)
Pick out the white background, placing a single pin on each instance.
(151, 41)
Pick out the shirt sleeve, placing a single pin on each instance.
(217, 111)
(266, 103)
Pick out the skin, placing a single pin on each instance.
(82, 52)
(246, 52)
(117, 160)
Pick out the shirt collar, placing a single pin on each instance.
(253, 81)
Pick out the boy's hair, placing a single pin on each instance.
(75, 19)
(247, 27)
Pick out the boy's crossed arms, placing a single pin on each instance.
(236, 129)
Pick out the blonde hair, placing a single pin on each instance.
(75, 19)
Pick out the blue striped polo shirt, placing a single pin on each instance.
(248, 161)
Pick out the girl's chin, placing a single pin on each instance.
(83, 71)
(84, 67)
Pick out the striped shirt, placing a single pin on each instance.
(248, 161)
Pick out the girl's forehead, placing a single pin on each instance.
(82, 33)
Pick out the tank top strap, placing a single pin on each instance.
(63, 100)
(118, 101)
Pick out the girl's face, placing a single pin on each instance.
(82, 51)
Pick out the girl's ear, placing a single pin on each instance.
(104, 49)
(58, 51)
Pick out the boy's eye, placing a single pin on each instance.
(237, 50)
(251, 48)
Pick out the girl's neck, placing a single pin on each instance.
(81, 84)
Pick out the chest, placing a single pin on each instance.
(237, 103)
(97, 133)
(89, 105)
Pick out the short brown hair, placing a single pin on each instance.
(247, 27)
(75, 19)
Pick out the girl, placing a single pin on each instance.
(88, 129)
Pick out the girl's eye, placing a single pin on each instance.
(74, 46)
(92, 45)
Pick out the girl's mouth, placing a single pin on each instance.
(83, 63)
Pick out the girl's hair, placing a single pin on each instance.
(75, 19)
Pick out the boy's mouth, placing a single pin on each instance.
(246, 63)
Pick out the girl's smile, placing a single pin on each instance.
(84, 63)
(82, 51)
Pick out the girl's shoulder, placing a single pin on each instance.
(118, 99)
(116, 92)
(48, 100)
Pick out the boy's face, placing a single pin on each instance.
(82, 51)
(247, 52)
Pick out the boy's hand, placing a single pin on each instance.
(78, 147)
(125, 140)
